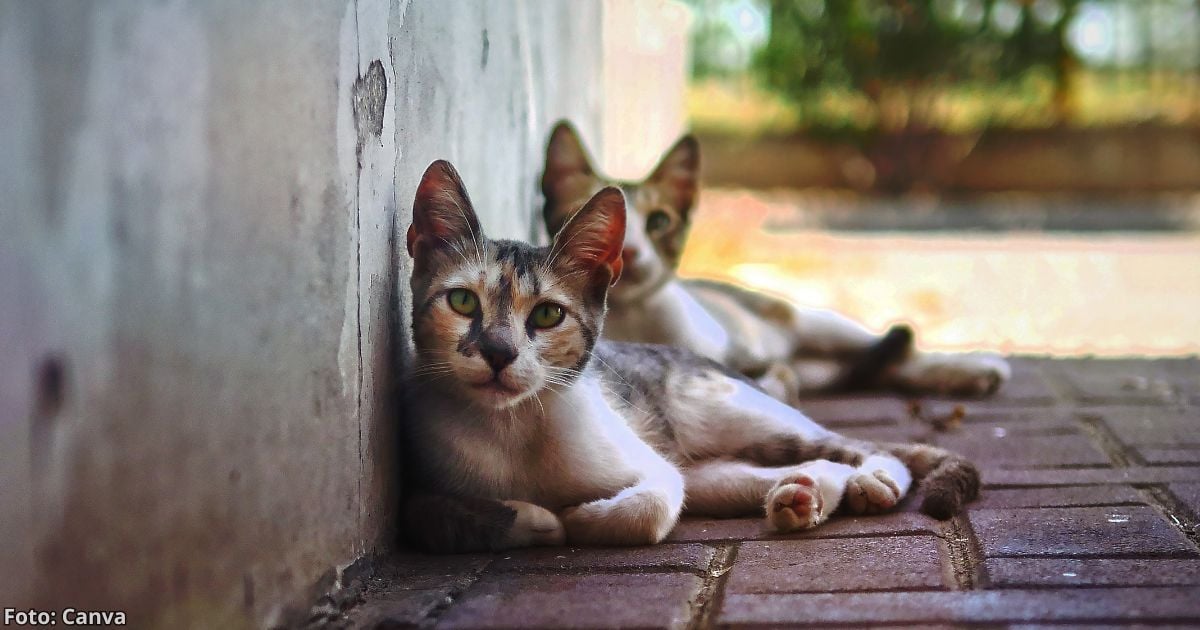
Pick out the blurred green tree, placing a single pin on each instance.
(901, 54)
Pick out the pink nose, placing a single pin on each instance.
(628, 255)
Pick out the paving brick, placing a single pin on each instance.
(505, 600)
(1166, 456)
(716, 530)
(1102, 625)
(1184, 373)
(1189, 495)
(1030, 572)
(1061, 496)
(1027, 387)
(691, 529)
(398, 609)
(986, 412)
(998, 447)
(1151, 426)
(899, 433)
(1083, 476)
(839, 564)
(404, 588)
(839, 412)
(1166, 604)
(1081, 531)
(694, 558)
(1117, 381)
(412, 571)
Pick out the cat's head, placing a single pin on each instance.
(501, 320)
(658, 207)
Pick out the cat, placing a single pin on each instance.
(790, 350)
(524, 427)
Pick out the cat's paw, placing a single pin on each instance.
(971, 374)
(871, 493)
(535, 526)
(795, 504)
(636, 518)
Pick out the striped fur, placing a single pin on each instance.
(789, 349)
(520, 433)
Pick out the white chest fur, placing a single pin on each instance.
(570, 449)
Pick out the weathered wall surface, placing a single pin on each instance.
(201, 216)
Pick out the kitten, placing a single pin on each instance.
(524, 428)
(787, 348)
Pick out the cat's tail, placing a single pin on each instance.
(869, 369)
(948, 480)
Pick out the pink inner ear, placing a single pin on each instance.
(442, 211)
(678, 172)
(616, 266)
(608, 220)
(594, 236)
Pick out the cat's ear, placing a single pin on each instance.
(678, 173)
(442, 212)
(592, 238)
(568, 178)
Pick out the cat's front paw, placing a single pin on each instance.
(535, 526)
(871, 493)
(794, 504)
(973, 374)
(639, 518)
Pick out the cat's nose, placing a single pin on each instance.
(628, 255)
(498, 354)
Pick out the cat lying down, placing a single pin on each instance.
(788, 349)
(525, 428)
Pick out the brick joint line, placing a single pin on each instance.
(1176, 512)
(430, 619)
(1102, 436)
(963, 551)
(708, 600)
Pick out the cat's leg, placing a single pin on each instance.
(714, 415)
(962, 374)
(718, 416)
(642, 514)
(877, 485)
(452, 524)
(869, 360)
(807, 496)
(821, 332)
(792, 497)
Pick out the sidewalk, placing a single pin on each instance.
(1089, 515)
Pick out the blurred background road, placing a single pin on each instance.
(1015, 175)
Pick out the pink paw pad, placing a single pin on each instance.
(803, 502)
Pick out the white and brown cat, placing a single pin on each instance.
(788, 349)
(523, 427)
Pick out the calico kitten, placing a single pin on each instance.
(523, 428)
(787, 348)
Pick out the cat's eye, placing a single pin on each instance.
(463, 301)
(658, 220)
(546, 315)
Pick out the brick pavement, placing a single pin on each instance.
(1088, 516)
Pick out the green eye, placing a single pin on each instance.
(658, 220)
(463, 301)
(546, 315)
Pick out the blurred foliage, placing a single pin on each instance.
(854, 68)
(900, 55)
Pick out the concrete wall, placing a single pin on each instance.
(201, 217)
